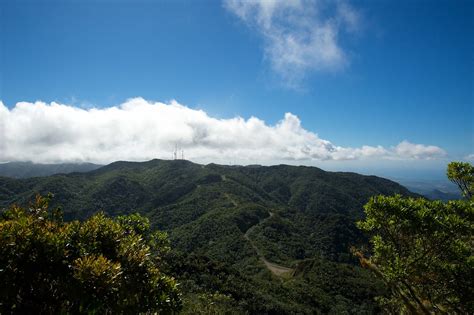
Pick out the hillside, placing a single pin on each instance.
(272, 239)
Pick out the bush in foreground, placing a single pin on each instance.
(100, 265)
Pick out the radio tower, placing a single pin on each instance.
(175, 152)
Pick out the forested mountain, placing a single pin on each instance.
(28, 169)
(251, 239)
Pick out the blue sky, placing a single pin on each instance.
(398, 70)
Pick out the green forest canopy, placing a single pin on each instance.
(421, 249)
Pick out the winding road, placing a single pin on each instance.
(276, 269)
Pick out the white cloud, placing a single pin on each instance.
(469, 157)
(406, 149)
(300, 36)
(140, 130)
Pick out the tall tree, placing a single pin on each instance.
(462, 174)
(423, 250)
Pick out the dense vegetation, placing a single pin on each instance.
(423, 250)
(233, 228)
(99, 265)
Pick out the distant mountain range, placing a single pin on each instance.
(432, 189)
(28, 169)
(273, 240)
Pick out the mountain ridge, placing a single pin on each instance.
(246, 219)
(30, 169)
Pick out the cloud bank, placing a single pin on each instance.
(299, 36)
(140, 130)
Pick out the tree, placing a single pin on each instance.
(423, 250)
(100, 265)
(462, 174)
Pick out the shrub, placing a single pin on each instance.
(101, 265)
